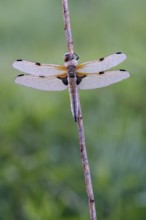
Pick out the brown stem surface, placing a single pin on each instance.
(80, 127)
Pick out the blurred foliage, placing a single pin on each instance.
(40, 169)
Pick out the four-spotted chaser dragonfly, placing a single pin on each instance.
(71, 75)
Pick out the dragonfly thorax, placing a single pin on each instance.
(71, 71)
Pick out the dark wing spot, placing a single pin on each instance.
(42, 76)
(64, 80)
(101, 59)
(101, 72)
(38, 64)
(20, 75)
(19, 60)
(122, 70)
(79, 79)
(119, 53)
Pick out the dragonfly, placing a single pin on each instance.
(88, 75)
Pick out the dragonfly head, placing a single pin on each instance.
(70, 59)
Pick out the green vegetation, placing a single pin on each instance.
(41, 175)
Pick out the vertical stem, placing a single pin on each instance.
(80, 127)
(67, 27)
(86, 168)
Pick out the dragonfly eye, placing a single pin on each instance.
(67, 57)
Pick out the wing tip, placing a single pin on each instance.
(15, 63)
(126, 73)
(16, 79)
(122, 54)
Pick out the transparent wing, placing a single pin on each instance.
(102, 80)
(102, 64)
(42, 83)
(38, 69)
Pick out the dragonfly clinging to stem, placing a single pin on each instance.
(89, 75)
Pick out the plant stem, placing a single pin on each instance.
(67, 27)
(80, 127)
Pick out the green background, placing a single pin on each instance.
(41, 174)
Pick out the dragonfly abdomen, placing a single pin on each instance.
(73, 91)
